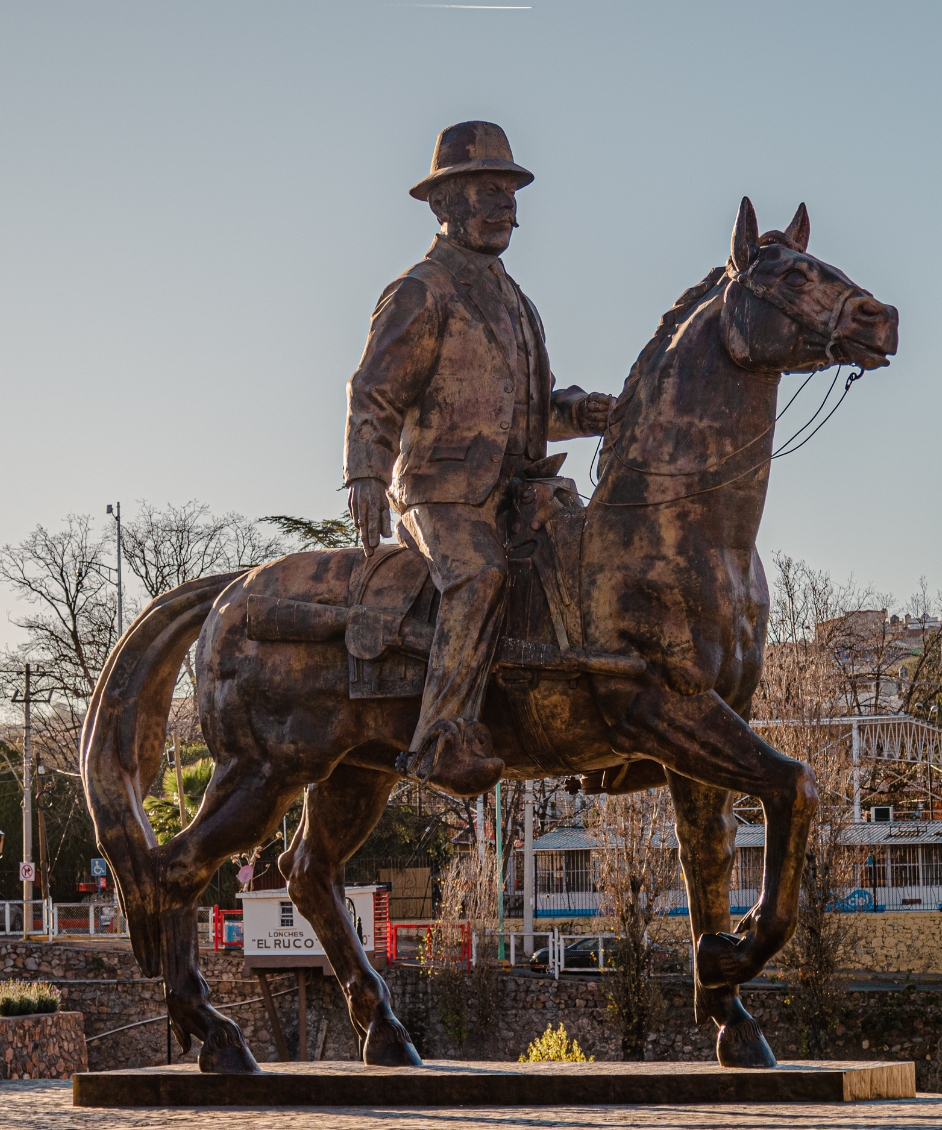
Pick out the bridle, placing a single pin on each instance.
(827, 331)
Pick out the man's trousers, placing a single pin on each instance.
(464, 548)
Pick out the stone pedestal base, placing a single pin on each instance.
(450, 1083)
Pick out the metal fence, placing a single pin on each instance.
(19, 917)
(101, 919)
(83, 920)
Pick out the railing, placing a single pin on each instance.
(412, 943)
(591, 956)
(227, 928)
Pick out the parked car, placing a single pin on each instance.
(582, 954)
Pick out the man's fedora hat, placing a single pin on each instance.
(470, 147)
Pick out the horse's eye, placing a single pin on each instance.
(796, 278)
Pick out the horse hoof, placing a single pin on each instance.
(227, 1058)
(743, 1045)
(719, 961)
(388, 1045)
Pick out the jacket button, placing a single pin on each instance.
(505, 426)
(508, 388)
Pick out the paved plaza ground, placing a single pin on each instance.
(47, 1105)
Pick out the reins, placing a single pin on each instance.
(828, 332)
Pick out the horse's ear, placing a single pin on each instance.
(744, 246)
(799, 230)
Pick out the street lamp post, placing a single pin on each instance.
(115, 512)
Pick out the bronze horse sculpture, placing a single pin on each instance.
(670, 581)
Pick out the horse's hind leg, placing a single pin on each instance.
(706, 831)
(239, 810)
(339, 814)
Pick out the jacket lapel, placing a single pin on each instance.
(494, 310)
(481, 292)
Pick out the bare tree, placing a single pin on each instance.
(822, 652)
(465, 1002)
(70, 620)
(71, 626)
(637, 866)
(166, 548)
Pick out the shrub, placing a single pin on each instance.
(555, 1046)
(20, 998)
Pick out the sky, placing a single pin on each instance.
(201, 201)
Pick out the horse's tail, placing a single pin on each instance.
(122, 746)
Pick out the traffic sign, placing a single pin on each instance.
(99, 868)
(27, 872)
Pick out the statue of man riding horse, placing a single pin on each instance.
(510, 630)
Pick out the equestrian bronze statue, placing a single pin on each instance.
(621, 642)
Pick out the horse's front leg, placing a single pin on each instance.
(339, 814)
(706, 832)
(699, 736)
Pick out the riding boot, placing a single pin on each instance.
(456, 757)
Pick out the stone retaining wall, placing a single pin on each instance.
(48, 1045)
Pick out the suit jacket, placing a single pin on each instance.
(430, 405)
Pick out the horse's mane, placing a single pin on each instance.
(668, 323)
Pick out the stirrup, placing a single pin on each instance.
(410, 763)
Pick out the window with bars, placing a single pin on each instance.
(904, 866)
(749, 864)
(932, 865)
(287, 914)
(876, 867)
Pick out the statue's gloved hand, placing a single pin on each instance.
(591, 413)
(369, 509)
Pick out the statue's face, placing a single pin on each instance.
(480, 211)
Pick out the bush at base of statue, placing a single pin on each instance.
(555, 1046)
(24, 998)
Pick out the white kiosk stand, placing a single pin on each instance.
(275, 935)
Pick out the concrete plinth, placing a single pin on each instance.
(454, 1083)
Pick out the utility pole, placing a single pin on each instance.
(115, 512)
(528, 876)
(27, 853)
(499, 852)
(27, 697)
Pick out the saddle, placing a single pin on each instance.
(389, 620)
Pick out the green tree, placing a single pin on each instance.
(164, 811)
(331, 533)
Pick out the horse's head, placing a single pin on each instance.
(786, 311)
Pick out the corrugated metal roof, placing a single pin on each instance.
(565, 839)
